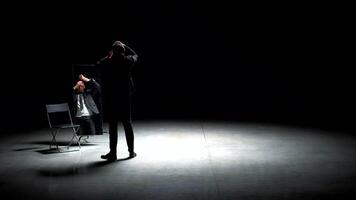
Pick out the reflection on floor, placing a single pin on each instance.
(184, 160)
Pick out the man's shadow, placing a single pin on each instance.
(78, 170)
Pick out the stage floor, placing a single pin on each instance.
(183, 160)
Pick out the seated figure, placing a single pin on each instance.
(85, 108)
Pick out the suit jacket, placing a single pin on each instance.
(117, 72)
(92, 90)
(117, 83)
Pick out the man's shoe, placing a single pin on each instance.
(109, 157)
(132, 155)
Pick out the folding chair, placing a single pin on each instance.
(56, 127)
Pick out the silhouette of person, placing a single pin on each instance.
(117, 89)
(85, 108)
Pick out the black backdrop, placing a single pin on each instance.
(288, 63)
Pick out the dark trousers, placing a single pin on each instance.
(120, 110)
(87, 126)
(113, 131)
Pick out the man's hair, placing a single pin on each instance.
(118, 47)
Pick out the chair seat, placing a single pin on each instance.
(62, 126)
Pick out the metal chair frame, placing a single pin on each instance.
(60, 108)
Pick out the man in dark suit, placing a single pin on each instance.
(85, 108)
(117, 92)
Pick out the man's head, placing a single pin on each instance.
(118, 47)
(79, 87)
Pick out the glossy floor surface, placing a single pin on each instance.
(183, 160)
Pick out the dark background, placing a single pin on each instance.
(281, 63)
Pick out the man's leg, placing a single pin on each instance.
(129, 136)
(113, 135)
(98, 124)
(111, 156)
(86, 125)
(91, 130)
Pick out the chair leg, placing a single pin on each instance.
(80, 137)
(78, 141)
(50, 144)
(72, 140)
(76, 137)
(54, 141)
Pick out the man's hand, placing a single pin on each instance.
(83, 78)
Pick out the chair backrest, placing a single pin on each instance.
(57, 108)
(62, 107)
